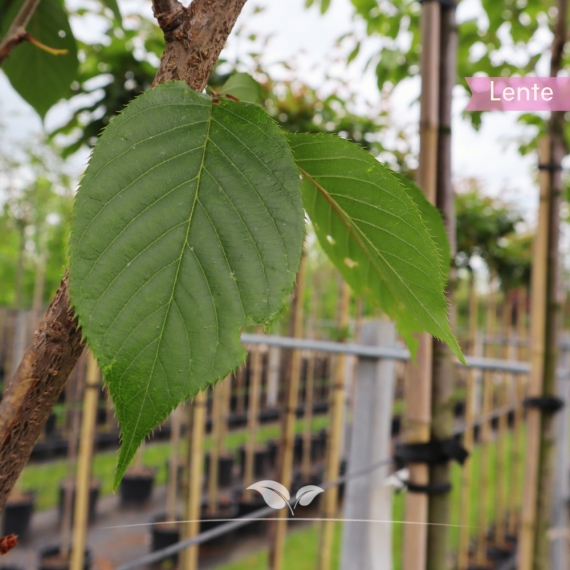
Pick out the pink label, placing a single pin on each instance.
(519, 93)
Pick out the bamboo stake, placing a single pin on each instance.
(309, 395)
(191, 527)
(486, 434)
(217, 421)
(468, 438)
(337, 400)
(173, 463)
(73, 442)
(502, 432)
(83, 482)
(418, 405)
(520, 386)
(285, 458)
(253, 417)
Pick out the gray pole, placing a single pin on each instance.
(368, 546)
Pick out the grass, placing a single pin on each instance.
(44, 478)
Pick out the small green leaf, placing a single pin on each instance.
(188, 225)
(42, 79)
(244, 87)
(374, 233)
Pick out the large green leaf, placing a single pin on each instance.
(188, 225)
(41, 78)
(374, 233)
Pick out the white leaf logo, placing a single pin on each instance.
(274, 494)
(305, 495)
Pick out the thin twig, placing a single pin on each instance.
(17, 32)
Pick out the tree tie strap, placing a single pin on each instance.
(550, 167)
(548, 404)
(446, 3)
(435, 489)
(434, 452)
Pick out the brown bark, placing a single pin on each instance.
(194, 38)
(35, 387)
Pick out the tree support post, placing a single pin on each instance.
(85, 460)
(367, 546)
(418, 405)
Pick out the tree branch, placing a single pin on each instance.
(194, 37)
(16, 34)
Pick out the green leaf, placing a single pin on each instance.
(42, 79)
(373, 232)
(188, 225)
(433, 221)
(244, 87)
(114, 7)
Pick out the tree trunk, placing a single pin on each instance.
(545, 332)
(443, 375)
(194, 37)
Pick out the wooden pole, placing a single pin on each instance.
(253, 416)
(444, 368)
(285, 458)
(83, 482)
(418, 404)
(173, 463)
(73, 442)
(334, 442)
(502, 476)
(217, 432)
(486, 434)
(191, 527)
(309, 396)
(468, 437)
(520, 388)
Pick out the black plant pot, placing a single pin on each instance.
(93, 498)
(272, 447)
(136, 486)
(11, 567)
(225, 468)
(247, 506)
(260, 461)
(49, 427)
(225, 510)
(52, 551)
(17, 515)
(162, 536)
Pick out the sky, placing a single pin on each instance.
(308, 38)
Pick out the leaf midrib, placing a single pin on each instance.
(175, 280)
(355, 231)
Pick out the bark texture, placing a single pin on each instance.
(35, 387)
(195, 36)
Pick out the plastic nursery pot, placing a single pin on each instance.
(11, 567)
(225, 468)
(49, 427)
(247, 505)
(272, 447)
(164, 535)
(226, 509)
(18, 514)
(260, 461)
(93, 497)
(136, 485)
(50, 559)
